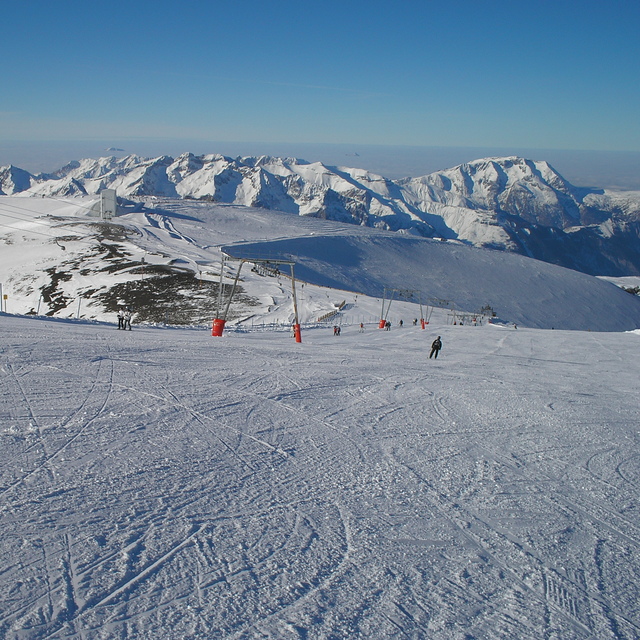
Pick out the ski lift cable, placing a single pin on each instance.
(20, 209)
(67, 202)
(80, 206)
(15, 215)
(78, 239)
(9, 213)
(31, 221)
(40, 233)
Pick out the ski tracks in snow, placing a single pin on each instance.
(91, 407)
(242, 488)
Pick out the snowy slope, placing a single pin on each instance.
(509, 203)
(162, 483)
(519, 289)
(77, 266)
(165, 484)
(81, 267)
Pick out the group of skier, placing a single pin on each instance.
(124, 318)
(124, 323)
(436, 345)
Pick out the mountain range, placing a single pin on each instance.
(509, 203)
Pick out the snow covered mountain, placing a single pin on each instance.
(163, 258)
(512, 204)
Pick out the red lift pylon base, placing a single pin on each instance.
(218, 327)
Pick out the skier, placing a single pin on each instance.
(435, 347)
(387, 325)
(401, 323)
(362, 327)
(127, 319)
(121, 318)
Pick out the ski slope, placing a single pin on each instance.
(164, 484)
(51, 244)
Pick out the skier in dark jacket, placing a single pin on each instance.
(436, 345)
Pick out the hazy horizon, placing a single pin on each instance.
(603, 169)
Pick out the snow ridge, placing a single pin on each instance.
(509, 203)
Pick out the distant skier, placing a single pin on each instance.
(121, 318)
(436, 345)
(362, 327)
(127, 319)
(415, 322)
(401, 323)
(387, 325)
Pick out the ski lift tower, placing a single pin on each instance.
(401, 294)
(222, 308)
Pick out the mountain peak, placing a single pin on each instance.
(510, 203)
(14, 180)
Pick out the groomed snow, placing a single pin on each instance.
(164, 484)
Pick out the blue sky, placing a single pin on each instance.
(546, 74)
